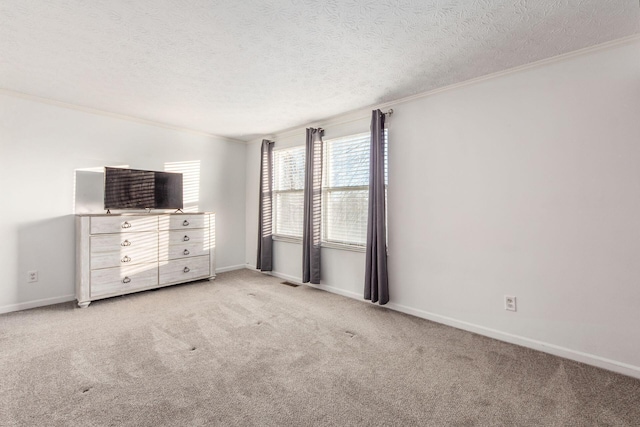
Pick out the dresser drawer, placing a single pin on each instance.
(199, 236)
(123, 253)
(184, 250)
(112, 281)
(183, 270)
(124, 256)
(183, 221)
(123, 224)
(120, 241)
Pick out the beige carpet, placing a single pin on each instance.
(246, 350)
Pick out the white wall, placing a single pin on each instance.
(42, 145)
(525, 184)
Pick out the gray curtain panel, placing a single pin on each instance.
(265, 209)
(376, 287)
(312, 207)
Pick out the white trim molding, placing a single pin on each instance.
(230, 268)
(95, 111)
(556, 350)
(298, 281)
(36, 303)
(363, 113)
(288, 239)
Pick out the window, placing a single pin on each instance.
(346, 189)
(288, 191)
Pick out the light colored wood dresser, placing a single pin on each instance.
(125, 253)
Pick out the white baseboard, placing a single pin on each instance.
(292, 279)
(298, 281)
(556, 350)
(67, 298)
(250, 266)
(288, 278)
(230, 268)
(36, 303)
(338, 291)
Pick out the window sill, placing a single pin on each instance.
(288, 239)
(343, 247)
(330, 245)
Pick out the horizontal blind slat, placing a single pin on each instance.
(345, 209)
(288, 168)
(288, 189)
(345, 189)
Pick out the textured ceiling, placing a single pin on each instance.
(246, 68)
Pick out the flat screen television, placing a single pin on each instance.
(141, 189)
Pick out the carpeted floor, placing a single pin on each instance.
(246, 350)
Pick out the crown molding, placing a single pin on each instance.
(554, 59)
(103, 113)
(362, 113)
(338, 119)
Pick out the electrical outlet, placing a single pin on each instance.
(32, 276)
(510, 303)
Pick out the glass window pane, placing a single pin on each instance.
(288, 171)
(347, 161)
(346, 164)
(289, 213)
(345, 219)
(288, 174)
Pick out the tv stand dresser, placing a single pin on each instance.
(119, 254)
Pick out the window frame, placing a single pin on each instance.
(275, 192)
(325, 243)
(338, 244)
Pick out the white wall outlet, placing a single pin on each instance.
(32, 276)
(510, 303)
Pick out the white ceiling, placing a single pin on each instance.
(244, 68)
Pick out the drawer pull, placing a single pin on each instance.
(185, 223)
(126, 224)
(126, 279)
(185, 238)
(186, 270)
(125, 243)
(126, 259)
(185, 252)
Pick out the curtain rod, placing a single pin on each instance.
(295, 131)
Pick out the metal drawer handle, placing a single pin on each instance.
(185, 238)
(185, 252)
(126, 259)
(126, 224)
(125, 243)
(126, 279)
(186, 270)
(185, 222)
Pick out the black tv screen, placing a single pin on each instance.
(141, 189)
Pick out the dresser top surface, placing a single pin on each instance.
(144, 214)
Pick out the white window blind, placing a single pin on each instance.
(288, 191)
(346, 189)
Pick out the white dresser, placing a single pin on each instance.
(125, 253)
